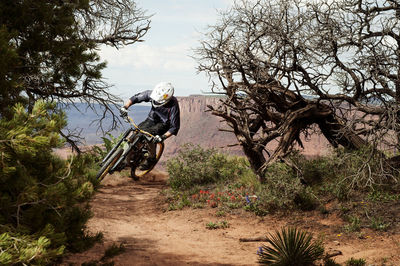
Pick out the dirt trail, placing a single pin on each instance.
(134, 214)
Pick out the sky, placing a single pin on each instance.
(165, 55)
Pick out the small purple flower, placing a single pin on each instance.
(260, 251)
(247, 199)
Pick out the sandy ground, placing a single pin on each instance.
(135, 214)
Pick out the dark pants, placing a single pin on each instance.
(154, 129)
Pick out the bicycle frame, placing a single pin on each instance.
(126, 134)
(130, 143)
(130, 151)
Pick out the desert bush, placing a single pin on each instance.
(290, 247)
(43, 198)
(354, 224)
(379, 224)
(109, 142)
(194, 166)
(282, 189)
(217, 225)
(314, 171)
(344, 172)
(330, 262)
(356, 262)
(365, 169)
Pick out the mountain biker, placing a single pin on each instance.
(163, 119)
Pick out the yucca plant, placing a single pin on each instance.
(290, 247)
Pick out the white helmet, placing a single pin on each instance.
(162, 93)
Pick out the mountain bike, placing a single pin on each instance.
(132, 150)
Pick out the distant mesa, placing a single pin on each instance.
(197, 127)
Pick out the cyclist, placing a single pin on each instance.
(163, 119)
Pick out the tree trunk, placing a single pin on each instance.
(256, 159)
(337, 134)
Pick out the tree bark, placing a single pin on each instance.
(337, 134)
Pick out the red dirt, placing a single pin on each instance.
(135, 214)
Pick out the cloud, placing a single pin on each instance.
(144, 56)
(165, 55)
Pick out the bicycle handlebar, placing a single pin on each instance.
(130, 120)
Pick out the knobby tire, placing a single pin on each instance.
(109, 164)
(135, 176)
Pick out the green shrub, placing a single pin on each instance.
(290, 247)
(314, 171)
(356, 262)
(282, 189)
(354, 224)
(194, 166)
(330, 262)
(109, 143)
(345, 173)
(35, 249)
(217, 225)
(42, 197)
(364, 168)
(305, 200)
(379, 224)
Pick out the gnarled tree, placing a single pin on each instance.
(288, 66)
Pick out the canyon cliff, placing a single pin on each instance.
(202, 128)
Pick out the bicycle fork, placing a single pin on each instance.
(127, 148)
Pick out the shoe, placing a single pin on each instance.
(133, 174)
(147, 164)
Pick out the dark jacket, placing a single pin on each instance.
(167, 114)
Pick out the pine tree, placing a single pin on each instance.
(42, 197)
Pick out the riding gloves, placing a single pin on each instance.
(123, 112)
(158, 138)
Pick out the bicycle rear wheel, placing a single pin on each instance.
(109, 164)
(136, 173)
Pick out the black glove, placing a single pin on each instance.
(158, 138)
(123, 112)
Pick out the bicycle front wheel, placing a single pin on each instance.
(109, 164)
(136, 172)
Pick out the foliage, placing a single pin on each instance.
(297, 183)
(379, 224)
(354, 224)
(43, 206)
(233, 183)
(345, 173)
(50, 48)
(8, 60)
(195, 166)
(217, 225)
(112, 251)
(356, 262)
(330, 262)
(282, 189)
(315, 171)
(109, 143)
(290, 68)
(365, 168)
(289, 247)
(33, 249)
